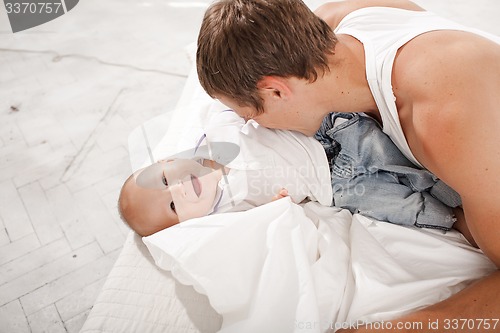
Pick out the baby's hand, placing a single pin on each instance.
(283, 193)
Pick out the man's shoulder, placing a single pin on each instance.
(333, 12)
(441, 64)
(443, 92)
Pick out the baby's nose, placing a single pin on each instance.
(177, 189)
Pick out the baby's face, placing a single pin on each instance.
(187, 188)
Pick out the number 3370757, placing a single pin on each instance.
(480, 324)
(33, 7)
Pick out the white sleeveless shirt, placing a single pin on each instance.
(383, 30)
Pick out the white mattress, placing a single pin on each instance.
(139, 297)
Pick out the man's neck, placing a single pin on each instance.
(346, 83)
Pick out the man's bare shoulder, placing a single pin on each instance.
(333, 12)
(446, 85)
(443, 66)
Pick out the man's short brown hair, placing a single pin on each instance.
(241, 41)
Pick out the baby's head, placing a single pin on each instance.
(166, 193)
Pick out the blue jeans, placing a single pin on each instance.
(372, 177)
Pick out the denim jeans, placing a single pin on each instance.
(371, 176)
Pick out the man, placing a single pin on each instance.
(434, 86)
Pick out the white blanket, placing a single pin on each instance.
(282, 267)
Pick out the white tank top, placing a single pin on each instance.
(383, 30)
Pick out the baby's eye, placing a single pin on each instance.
(164, 180)
(172, 206)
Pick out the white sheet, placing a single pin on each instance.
(312, 267)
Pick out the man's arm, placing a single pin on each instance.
(461, 225)
(474, 309)
(449, 108)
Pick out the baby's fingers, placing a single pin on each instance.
(283, 193)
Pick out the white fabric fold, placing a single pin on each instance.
(282, 267)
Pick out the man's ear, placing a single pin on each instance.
(274, 87)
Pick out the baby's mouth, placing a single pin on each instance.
(196, 185)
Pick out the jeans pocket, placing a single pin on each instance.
(343, 166)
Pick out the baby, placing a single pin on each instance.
(242, 166)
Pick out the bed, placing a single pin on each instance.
(281, 267)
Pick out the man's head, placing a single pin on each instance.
(166, 193)
(243, 41)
